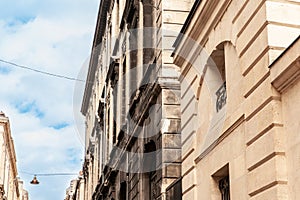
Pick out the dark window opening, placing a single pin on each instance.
(123, 191)
(222, 184)
(150, 175)
(224, 188)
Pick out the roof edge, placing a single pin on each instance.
(98, 35)
(186, 24)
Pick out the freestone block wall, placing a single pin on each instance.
(258, 140)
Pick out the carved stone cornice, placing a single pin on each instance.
(205, 15)
(285, 70)
(105, 6)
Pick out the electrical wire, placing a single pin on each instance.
(41, 72)
(49, 174)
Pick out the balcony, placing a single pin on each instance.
(221, 97)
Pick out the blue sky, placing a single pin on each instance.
(53, 36)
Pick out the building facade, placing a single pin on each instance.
(11, 187)
(132, 102)
(76, 189)
(240, 95)
(23, 192)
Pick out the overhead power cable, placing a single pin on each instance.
(49, 174)
(41, 72)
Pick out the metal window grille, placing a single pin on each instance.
(221, 97)
(224, 188)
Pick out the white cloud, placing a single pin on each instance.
(53, 36)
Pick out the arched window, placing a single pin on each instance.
(217, 61)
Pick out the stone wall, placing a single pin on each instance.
(251, 144)
(135, 100)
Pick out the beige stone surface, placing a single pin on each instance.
(189, 180)
(137, 131)
(174, 16)
(259, 139)
(246, 13)
(183, 5)
(254, 52)
(255, 138)
(172, 170)
(258, 74)
(189, 115)
(171, 111)
(188, 142)
(238, 167)
(291, 110)
(238, 189)
(190, 194)
(263, 94)
(172, 27)
(252, 30)
(171, 155)
(172, 141)
(278, 192)
(271, 143)
(271, 172)
(234, 78)
(263, 121)
(282, 36)
(287, 12)
(166, 56)
(188, 162)
(171, 72)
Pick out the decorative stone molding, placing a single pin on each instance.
(286, 69)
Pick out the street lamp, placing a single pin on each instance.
(34, 181)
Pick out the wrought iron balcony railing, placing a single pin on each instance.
(221, 97)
